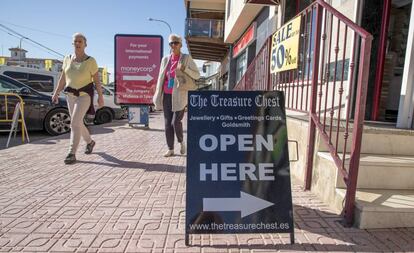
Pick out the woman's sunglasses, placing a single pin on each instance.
(174, 43)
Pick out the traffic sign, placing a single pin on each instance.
(238, 173)
(137, 63)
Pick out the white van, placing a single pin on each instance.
(110, 110)
(41, 80)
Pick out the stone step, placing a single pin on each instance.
(376, 139)
(377, 171)
(382, 208)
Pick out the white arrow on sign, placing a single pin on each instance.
(246, 204)
(147, 78)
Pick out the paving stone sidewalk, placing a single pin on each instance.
(126, 197)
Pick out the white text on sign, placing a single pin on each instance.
(234, 171)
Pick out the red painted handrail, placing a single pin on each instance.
(332, 97)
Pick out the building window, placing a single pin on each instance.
(241, 66)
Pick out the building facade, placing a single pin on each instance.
(18, 58)
(245, 26)
(344, 107)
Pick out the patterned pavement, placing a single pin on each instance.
(126, 197)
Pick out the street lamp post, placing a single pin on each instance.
(162, 21)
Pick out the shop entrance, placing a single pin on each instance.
(390, 53)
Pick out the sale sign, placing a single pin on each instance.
(285, 47)
(137, 63)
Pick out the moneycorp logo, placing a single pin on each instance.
(136, 69)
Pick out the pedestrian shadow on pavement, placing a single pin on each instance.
(100, 130)
(318, 230)
(146, 129)
(114, 162)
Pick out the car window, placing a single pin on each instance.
(41, 83)
(19, 76)
(8, 87)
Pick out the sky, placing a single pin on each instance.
(52, 23)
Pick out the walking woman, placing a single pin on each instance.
(177, 74)
(79, 74)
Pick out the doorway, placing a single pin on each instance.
(388, 82)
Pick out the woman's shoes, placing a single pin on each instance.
(70, 159)
(89, 147)
(169, 153)
(182, 148)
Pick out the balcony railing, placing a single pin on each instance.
(204, 28)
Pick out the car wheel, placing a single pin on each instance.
(103, 116)
(57, 121)
(124, 112)
(88, 120)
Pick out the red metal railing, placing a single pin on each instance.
(330, 85)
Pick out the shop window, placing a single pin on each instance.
(305, 66)
(241, 66)
(339, 66)
(303, 4)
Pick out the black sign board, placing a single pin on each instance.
(238, 175)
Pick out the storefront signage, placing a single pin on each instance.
(238, 175)
(245, 40)
(137, 63)
(285, 47)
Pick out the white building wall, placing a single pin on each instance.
(238, 18)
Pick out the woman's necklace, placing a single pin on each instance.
(80, 58)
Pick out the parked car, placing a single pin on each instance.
(45, 81)
(39, 111)
(109, 112)
(39, 79)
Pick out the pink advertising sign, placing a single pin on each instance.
(137, 63)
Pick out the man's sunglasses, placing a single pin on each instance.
(174, 43)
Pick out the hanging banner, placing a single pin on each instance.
(285, 47)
